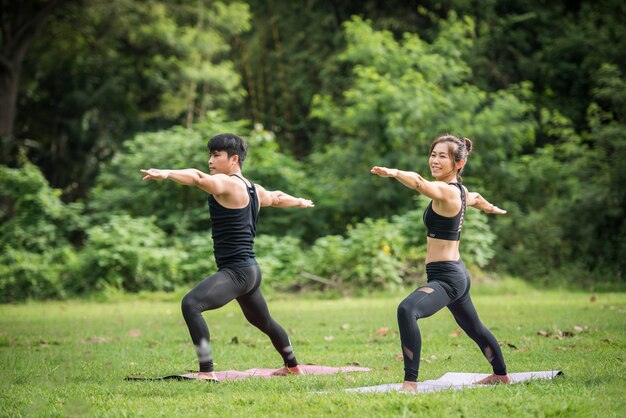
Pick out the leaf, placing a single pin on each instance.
(382, 331)
(134, 333)
(520, 350)
(234, 340)
(344, 326)
(399, 357)
(329, 338)
(456, 332)
(592, 299)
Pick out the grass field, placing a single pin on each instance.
(70, 358)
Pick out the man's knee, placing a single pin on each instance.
(188, 304)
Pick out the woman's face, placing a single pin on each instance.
(440, 162)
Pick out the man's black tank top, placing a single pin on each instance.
(233, 231)
(443, 227)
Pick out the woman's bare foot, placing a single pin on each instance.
(207, 376)
(494, 379)
(408, 387)
(285, 371)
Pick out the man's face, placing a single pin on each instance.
(219, 163)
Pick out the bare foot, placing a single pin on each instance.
(408, 387)
(494, 379)
(285, 371)
(207, 376)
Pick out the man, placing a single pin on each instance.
(234, 204)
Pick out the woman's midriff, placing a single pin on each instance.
(441, 250)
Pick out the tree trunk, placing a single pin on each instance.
(9, 80)
(19, 23)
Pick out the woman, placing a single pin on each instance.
(448, 282)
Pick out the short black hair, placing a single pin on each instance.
(232, 144)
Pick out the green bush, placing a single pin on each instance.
(35, 224)
(199, 261)
(33, 216)
(368, 257)
(381, 254)
(130, 254)
(280, 259)
(30, 275)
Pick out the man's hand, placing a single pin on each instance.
(305, 203)
(155, 174)
(384, 171)
(495, 210)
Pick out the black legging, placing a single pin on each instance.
(216, 291)
(448, 285)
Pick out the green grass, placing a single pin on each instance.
(70, 358)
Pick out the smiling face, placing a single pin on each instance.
(220, 163)
(440, 162)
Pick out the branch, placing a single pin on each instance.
(318, 279)
(27, 29)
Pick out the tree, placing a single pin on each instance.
(107, 69)
(403, 94)
(20, 21)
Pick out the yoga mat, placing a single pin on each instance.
(456, 381)
(263, 373)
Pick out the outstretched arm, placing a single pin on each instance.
(280, 199)
(475, 200)
(214, 185)
(436, 190)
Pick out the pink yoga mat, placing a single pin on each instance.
(264, 373)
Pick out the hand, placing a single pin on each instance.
(155, 174)
(496, 210)
(305, 203)
(384, 171)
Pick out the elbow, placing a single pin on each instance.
(418, 184)
(197, 178)
(277, 197)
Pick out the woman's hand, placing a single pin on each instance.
(305, 203)
(384, 171)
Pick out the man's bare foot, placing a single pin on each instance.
(408, 387)
(285, 371)
(494, 379)
(207, 376)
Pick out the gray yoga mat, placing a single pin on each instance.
(456, 381)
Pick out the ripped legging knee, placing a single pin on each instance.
(242, 284)
(448, 285)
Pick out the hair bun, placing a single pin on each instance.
(468, 144)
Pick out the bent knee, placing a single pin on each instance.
(188, 304)
(406, 308)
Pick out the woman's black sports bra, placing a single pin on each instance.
(443, 227)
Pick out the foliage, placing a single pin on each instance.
(403, 95)
(113, 68)
(181, 209)
(119, 188)
(571, 217)
(34, 235)
(130, 254)
(381, 254)
(280, 259)
(198, 261)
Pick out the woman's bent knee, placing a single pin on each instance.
(405, 308)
